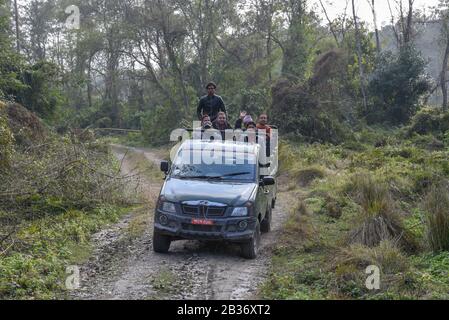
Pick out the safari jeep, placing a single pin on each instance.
(217, 195)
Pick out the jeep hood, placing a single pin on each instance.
(229, 193)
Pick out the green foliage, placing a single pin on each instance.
(298, 58)
(157, 126)
(41, 94)
(36, 270)
(397, 84)
(430, 121)
(299, 115)
(53, 197)
(35, 86)
(10, 62)
(376, 191)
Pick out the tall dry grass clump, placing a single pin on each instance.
(436, 207)
(378, 218)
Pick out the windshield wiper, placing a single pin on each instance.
(228, 175)
(215, 177)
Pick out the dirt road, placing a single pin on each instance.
(125, 267)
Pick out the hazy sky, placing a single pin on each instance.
(335, 7)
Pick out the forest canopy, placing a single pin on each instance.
(138, 64)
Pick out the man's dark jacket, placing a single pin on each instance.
(210, 105)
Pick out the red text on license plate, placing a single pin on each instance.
(202, 222)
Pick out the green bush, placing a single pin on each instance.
(429, 121)
(396, 86)
(41, 94)
(158, 124)
(299, 115)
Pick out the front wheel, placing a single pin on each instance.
(250, 249)
(265, 225)
(161, 243)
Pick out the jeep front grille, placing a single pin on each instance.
(207, 211)
(190, 210)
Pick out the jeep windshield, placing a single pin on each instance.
(205, 165)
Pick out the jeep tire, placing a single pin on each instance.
(161, 243)
(265, 225)
(250, 248)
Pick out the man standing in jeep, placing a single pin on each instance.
(211, 104)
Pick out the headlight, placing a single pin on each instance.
(168, 207)
(240, 212)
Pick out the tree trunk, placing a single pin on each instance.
(376, 28)
(89, 82)
(444, 77)
(408, 33)
(359, 56)
(16, 16)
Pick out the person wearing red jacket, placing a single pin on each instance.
(262, 124)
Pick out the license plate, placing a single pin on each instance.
(202, 222)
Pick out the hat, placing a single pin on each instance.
(247, 119)
(211, 84)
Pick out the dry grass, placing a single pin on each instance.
(379, 219)
(350, 265)
(28, 129)
(387, 256)
(299, 232)
(307, 175)
(436, 206)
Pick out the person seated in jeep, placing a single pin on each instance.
(243, 121)
(251, 130)
(211, 104)
(206, 123)
(221, 123)
(262, 125)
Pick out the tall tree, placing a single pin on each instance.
(443, 16)
(200, 16)
(372, 4)
(296, 48)
(10, 62)
(359, 56)
(403, 25)
(17, 25)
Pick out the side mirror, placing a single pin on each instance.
(268, 181)
(165, 167)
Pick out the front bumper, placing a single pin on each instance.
(224, 228)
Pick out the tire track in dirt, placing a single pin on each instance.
(127, 268)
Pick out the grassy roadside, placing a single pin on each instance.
(44, 248)
(54, 198)
(346, 194)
